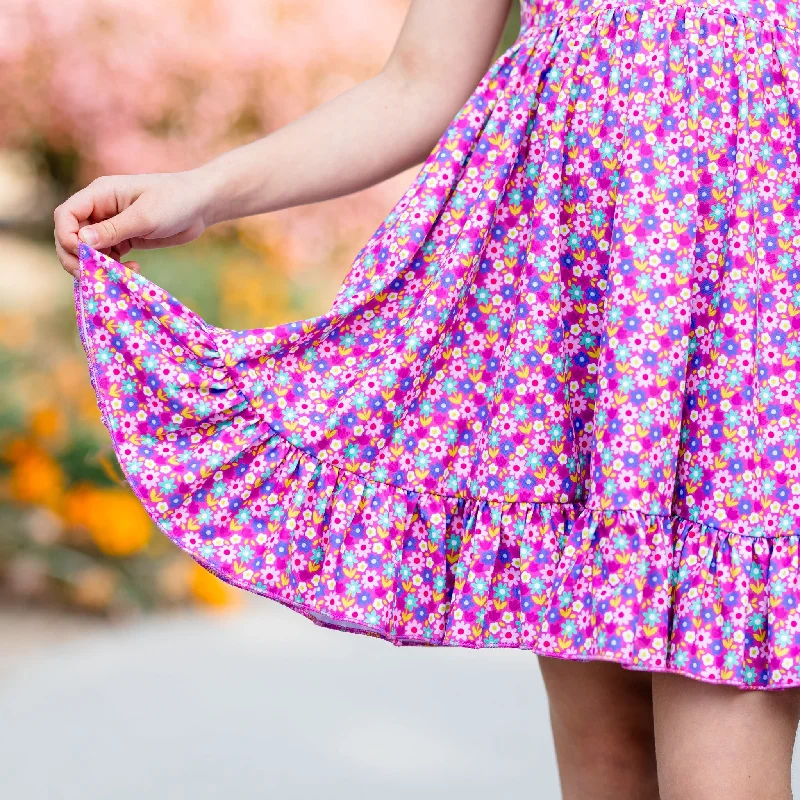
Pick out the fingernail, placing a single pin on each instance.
(89, 236)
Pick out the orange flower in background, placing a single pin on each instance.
(116, 520)
(35, 477)
(47, 422)
(78, 502)
(210, 590)
(15, 448)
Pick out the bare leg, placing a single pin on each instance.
(602, 719)
(716, 742)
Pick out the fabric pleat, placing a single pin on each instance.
(554, 405)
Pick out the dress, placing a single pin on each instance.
(555, 404)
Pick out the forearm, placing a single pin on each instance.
(375, 130)
(367, 134)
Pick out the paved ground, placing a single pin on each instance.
(263, 704)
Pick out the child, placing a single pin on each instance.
(554, 405)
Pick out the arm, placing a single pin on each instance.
(376, 129)
(366, 134)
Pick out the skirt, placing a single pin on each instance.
(555, 404)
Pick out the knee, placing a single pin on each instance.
(616, 748)
(620, 753)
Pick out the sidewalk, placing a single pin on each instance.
(263, 703)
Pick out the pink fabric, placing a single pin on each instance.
(555, 404)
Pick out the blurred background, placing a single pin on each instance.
(123, 665)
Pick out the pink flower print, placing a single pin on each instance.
(192, 541)
(605, 218)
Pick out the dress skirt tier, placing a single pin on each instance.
(555, 404)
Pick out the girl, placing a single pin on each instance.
(554, 405)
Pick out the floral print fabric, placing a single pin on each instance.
(555, 404)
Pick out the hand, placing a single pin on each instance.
(118, 213)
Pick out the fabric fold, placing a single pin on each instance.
(562, 580)
(553, 406)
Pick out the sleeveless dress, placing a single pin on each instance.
(555, 404)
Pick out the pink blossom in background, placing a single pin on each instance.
(146, 86)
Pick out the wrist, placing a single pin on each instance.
(209, 190)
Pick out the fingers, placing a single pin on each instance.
(68, 261)
(103, 199)
(117, 250)
(95, 198)
(116, 214)
(66, 218)
(71, 264)
(115, 231)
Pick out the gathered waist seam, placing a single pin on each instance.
(536, 20)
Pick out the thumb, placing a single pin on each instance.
(114, 230)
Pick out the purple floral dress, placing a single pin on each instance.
(555, 404)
